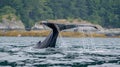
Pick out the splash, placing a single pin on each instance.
(60, 38)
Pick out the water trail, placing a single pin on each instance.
(83, 35)
(85, 41)
(103, 31)
(60, 41)
(92, 43)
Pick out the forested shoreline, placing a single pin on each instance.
(103, 12)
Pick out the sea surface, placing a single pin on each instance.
(69, 52)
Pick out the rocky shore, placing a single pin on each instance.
(15, 27)
(44, 33)
(11, 22)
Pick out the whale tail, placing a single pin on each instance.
(51, 39)
(58, 26)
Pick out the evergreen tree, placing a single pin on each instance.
(103, 12)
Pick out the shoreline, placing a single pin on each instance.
(44, 33)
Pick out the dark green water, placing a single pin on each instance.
(70, 52)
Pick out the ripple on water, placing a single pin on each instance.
(76, 52)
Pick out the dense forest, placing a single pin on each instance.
(103, 12)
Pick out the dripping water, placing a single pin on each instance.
(60, 38)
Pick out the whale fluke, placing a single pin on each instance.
(50, 40)
(59, 26)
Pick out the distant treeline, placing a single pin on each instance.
(103, 12)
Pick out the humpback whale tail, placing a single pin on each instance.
(51, 39)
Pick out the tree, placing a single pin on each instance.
(103, 12)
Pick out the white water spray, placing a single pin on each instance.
(60, 41)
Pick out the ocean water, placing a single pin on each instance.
(69, 52)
